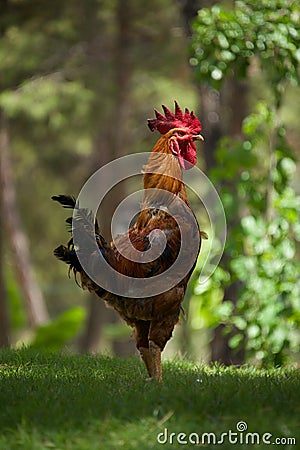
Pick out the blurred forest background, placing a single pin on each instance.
(77, 82)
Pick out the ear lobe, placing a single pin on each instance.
(174, 146)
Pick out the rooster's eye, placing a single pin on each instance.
(179, 133)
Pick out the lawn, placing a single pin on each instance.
(85, 402)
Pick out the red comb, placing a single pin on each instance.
(164, 123)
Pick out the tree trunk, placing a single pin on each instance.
(234, 99)
(34, 301)
(97, 317)
(4, 320)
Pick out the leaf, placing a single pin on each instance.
(240, 322)
(253, 226)
(288, 166)
(253, 331)
(235, 340)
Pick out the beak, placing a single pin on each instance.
(198, 137)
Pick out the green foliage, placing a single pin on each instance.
(207, 307)
(262, 245)
(266, 29)
(87, 402)
(50, 99)
(268, 266)
(259, 167)
(55, 335)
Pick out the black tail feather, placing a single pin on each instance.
(67, 201)
(68, 255)
(64, 254)
(84, 216)
(83, 222)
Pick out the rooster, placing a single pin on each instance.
(153, 318)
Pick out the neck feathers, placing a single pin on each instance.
(163, 172)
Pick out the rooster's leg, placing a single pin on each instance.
(142, 342)
(155, 353)
(146, 357)
(159, 334)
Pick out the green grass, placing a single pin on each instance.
(85, 402)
